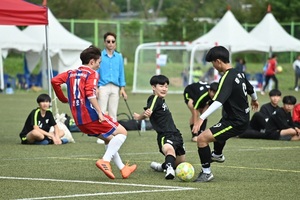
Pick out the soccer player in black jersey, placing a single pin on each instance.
(232, 94)
(197, 97)
(169, 138)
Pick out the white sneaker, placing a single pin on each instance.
(170, 173)
(99, 141)
(217, 158)
(296, 89)
(156, 166)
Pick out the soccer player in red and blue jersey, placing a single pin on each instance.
(87, 114)
(232, 95)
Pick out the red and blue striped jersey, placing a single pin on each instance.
(81, 86)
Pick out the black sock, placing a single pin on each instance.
(169, 160)
(218, 147)
(202, 127)
(193, 134)
(205, 156)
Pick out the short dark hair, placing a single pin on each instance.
(213, 86)
(291, 100)
(217, 52)
(274, 92)
(90, 53)
(43, 98)
(109, 33)
(159, 79)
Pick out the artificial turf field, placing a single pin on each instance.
(254, 169)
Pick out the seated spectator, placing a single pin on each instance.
(280, 126)
(38, 123)
(296, 114)
(259, 119)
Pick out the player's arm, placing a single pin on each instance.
(96, 106)
(254, 101)
(146, 114)
(147, 110)
(56, 84)
(252, 92)
(45, 133)
(91, 93)
(56, 139)
(212, 108)
(195, 113)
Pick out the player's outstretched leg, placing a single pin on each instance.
(156, 166)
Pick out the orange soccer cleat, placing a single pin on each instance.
(106, 168)
(127, 170)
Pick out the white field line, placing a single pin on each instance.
(161, 188)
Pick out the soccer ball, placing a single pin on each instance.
(185, 171)
(279, 69)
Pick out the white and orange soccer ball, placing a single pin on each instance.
(185, 171)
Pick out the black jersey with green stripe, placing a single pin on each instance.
(161, 117)
(198, 92)
(232, 93)
(35, 118)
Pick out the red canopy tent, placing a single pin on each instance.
(22, 13)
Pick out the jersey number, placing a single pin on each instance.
(76, 93)
(244, 88)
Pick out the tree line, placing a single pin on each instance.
(191, 14)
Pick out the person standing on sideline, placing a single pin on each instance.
(197, 97)
(37, 126)
(296, 67)
(112, 77)
(169, 138)
(271, 73)
(232, 95)
(87, 114)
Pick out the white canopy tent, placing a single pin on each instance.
(271, 32)
(229, 33)
(14, 39)
(64, 47)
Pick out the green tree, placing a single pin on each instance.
(79, 9)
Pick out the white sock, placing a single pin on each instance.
(117, 159)
(113, 147)
(206, 170)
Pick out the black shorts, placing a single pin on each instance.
(186, 97)
(173, 139)
(224, 130)
(25, 141)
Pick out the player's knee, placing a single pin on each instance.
(121, 130)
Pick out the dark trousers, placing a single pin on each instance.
(267, 80)
(297, 76)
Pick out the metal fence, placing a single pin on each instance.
(130, 34)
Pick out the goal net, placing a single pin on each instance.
(172, 59)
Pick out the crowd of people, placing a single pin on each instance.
(94, 89)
